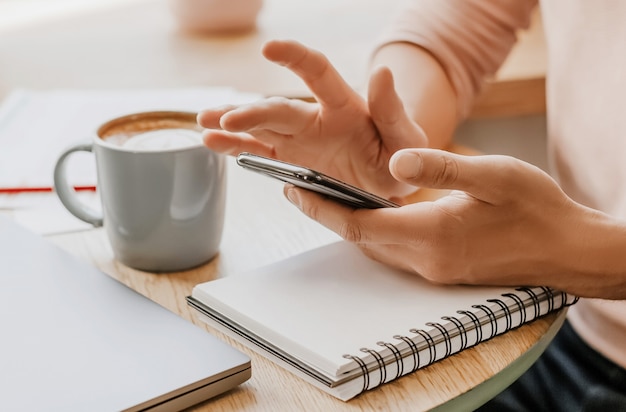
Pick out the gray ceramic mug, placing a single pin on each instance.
(163, 192)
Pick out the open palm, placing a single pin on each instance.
(340, 134)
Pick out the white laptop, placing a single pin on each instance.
(73, 338)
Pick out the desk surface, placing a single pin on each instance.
(137, 45)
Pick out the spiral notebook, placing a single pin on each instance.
(348, 324)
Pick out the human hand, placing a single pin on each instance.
(340, 134)
(505, 222)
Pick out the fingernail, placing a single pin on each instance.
(409, 165)
(293, 196)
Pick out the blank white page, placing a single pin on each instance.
(333, 301)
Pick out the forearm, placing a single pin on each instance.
(424, 88)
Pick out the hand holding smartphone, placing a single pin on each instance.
(312, 180)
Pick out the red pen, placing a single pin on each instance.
(42, 189)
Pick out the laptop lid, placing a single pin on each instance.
(73, 338)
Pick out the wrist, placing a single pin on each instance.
(594, 256)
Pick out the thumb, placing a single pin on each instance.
(487, 178)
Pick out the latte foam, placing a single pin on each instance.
(161, 140)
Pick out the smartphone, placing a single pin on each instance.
(312, 180)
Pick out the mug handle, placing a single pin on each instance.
(67, 194)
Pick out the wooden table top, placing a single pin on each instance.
(138, 45)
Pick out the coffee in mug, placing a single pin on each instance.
(162, 191)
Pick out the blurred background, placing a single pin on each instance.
(106, 44)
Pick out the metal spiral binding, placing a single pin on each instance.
(508, 318)
(396, 355)
(535, 299)
(414, 351)
(492, 319)
(475, 321)
(564, 300)
(520, 305)
(550, 294)
(380, 361)
(446, 337)
(364, 370)
(429, 341)
(463, 333)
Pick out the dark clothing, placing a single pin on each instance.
(569, 376)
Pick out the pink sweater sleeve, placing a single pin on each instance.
(470, 38)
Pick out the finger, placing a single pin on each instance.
(274, 139)
(313, 68)
(488, 178)
(271, 114)
(367, 226)
(235, 143)
(210, 118)
(388, 113)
